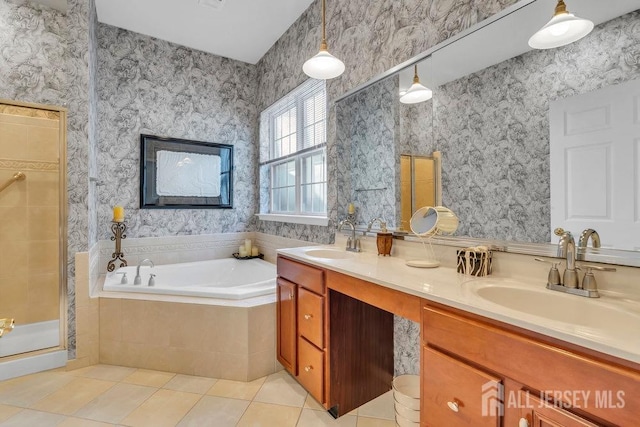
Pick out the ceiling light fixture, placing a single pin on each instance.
(323, 66)
(417, 92)
(564, 28)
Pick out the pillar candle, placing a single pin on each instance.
(247, 245)
(351, 209)
(118, 214)
(255, 251)
(243, 252)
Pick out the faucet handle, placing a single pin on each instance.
(554, 274)
(152, 280)
(559, 231)
(589, 280)
(124, 280)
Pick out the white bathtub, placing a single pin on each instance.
(227, 278)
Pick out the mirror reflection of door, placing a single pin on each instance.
(594, 162)
(419, 185)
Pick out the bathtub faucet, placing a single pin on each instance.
(138, 279)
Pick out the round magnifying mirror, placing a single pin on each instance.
(424, 221)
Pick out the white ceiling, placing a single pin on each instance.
(491, 45)
(236, 29)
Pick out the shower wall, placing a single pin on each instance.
(30, 229)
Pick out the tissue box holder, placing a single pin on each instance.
(474, 263)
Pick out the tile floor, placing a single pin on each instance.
(105, 395)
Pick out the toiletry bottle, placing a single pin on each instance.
(384, 240)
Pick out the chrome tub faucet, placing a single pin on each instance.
(138, 279)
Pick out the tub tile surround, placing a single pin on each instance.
(132, 331)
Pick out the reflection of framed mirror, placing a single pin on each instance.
(179, 173)
(419, 185)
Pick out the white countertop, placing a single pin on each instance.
(444, 285)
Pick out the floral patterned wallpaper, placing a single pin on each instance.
(150, 86)
(43, 59)
(370, 37)
(366, 138)
(493, 129)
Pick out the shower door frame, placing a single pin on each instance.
(62, 226)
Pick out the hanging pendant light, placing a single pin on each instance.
(564, 28)
(417, 92)
(323, 66)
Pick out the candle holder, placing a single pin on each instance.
(118, 229)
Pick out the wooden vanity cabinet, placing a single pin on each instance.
(300, 324)
(524, 364)
(331, 338)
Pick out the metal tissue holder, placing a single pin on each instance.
(118, 229)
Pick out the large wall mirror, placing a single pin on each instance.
(496, 112)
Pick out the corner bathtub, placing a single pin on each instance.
(227, 278)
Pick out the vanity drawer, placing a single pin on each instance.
(453, 392)
(302, 274)
(310, 317)
(311, 369)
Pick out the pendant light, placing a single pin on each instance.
(564, 28)
(417, 92)
(323, 66)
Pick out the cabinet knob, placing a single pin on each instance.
(453, 406)
(308, 368)
(307, 316)
(523, 422)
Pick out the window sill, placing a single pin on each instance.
(295, 219)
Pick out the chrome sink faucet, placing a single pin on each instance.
(383, 224)
(353, 243)
(583, 241)
(567, 250)
(138, 279)
(570, 283)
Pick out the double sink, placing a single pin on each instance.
(603, 319)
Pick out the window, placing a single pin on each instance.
(293, 158)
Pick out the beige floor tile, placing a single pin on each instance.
(79, 422)
(215, 411)
(30, 418)
(313, 418)
(149, 378)
(116, 403)
(25, 391)
(7, 411)
(104, 372)
(73, 395)
(164, 408)
(375, 422)
(311, 403)
(267, 415)
(281, 389)
(236, 389)
(190, 384)
(380, 407)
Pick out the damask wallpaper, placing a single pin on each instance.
(367, 144)
(370, 37)
(43, 59)
(493, 129)
(150, 86)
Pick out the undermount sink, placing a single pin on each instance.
(589, 314)
(329, 253)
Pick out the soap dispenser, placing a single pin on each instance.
(384, 240)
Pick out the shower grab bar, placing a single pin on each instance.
(18, 176)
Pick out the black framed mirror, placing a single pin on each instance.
(184, 174)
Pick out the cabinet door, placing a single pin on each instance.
(540, 414)
(455, 394)
(286, 323)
